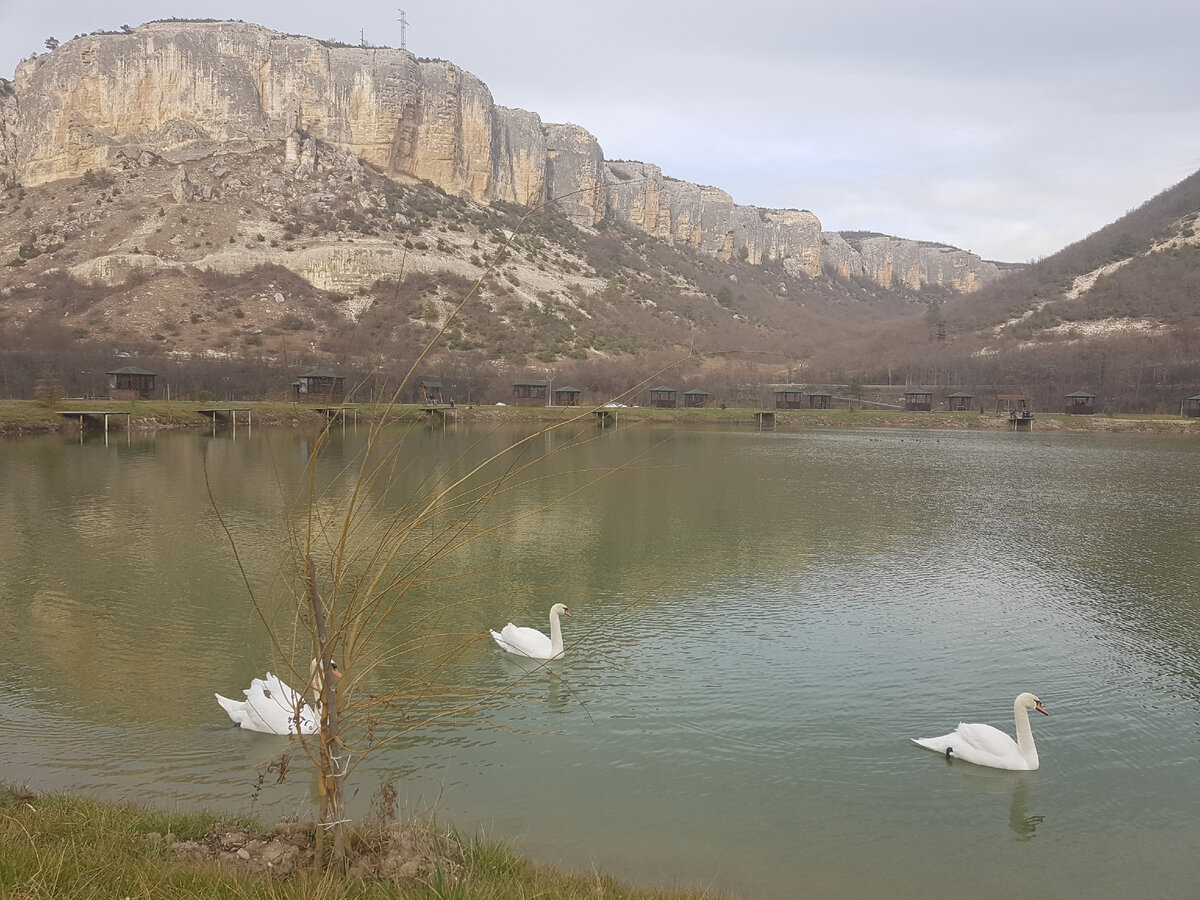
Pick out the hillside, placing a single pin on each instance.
(1116, 314)
(360, 270)
(236, 234)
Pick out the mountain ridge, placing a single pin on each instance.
(187, 90)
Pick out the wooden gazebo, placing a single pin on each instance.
(1191, 406)
(918, 400)
(663, 397)
(130, 383)
(567, 396)
(1008, 404)
(819, 399)
(530, 393)
(319, 386)
(695, 399)
(429, 391)
(959, 401)
(1081, 403)
(790, 397)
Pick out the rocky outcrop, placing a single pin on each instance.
(8, 119)
(707, 219)
(186, 91)
(895, 262)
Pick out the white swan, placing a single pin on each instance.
(988, 746)
(531, 642)
(274, 708)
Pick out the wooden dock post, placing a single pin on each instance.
(605, 417)
(226, 412)
(98, 416)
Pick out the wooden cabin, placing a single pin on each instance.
(319, 386)
(1081, 403)
(918, 400)
(130, 383)
(530, 393)
(663, 397)
(819, 399)
(695, 399)
(960, 401)
(1191, 406)
(567, 396)
(789, 398)
(429, 392)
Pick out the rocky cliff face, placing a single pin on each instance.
(891, 261)
(707, 219)
(8, 118)
(190, 91)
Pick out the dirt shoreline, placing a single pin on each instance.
(19, 418)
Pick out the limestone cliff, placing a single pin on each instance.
(891, 261)
(186, 91)
(707, 219)
(8, 118)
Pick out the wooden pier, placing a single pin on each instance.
(226, 414)
(338, 412)
(605, 417)
(96, 418)
(1020, 421)
(765, 419)
(440, 412)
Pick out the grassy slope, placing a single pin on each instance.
(58, 845)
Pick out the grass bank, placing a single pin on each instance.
(27, 417)
(60, 845)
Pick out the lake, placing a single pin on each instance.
(761, 622)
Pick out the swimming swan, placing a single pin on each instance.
(274, 708)
(531, 642)
(988, 746)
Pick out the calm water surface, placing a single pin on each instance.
(802, 605)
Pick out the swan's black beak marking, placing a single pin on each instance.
(1041, 708)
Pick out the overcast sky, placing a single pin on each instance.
(1009, 129)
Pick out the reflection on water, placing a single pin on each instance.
(761, 621)
(1023, 825)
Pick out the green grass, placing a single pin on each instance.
(59, 845)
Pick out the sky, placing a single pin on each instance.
(1010, 130)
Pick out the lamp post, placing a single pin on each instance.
(550, 391)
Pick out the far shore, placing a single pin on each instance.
(27, 417)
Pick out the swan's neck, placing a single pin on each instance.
(556, 645)
(1025, 744)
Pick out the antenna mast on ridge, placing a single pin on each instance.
(403, 30)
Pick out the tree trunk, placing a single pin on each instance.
(329, 762)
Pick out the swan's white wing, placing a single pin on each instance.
(979, 744)
(524, 641)
(235, 708)
(271, 707)
(989, 740)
